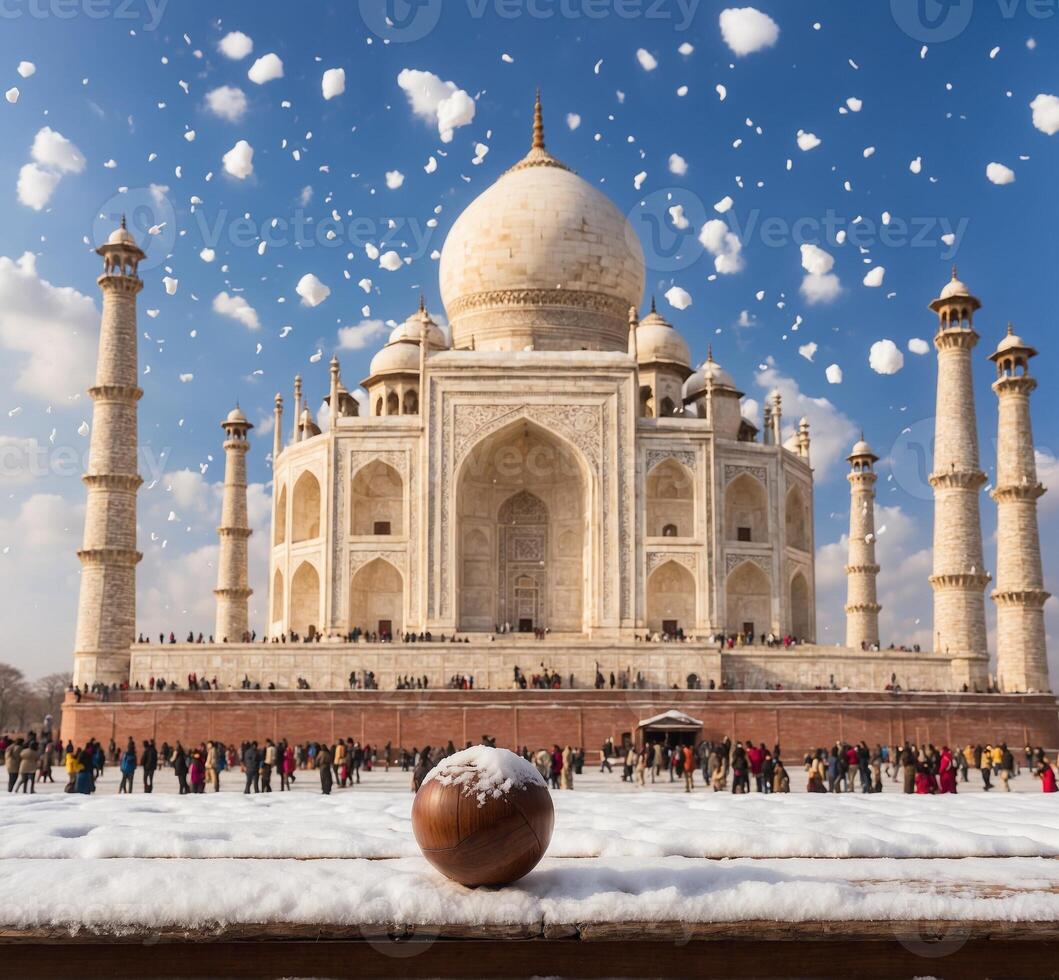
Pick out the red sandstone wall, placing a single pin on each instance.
(797, 720)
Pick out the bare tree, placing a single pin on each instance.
(48, 693)
(14, 693)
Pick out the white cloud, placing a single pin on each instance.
(1046, 113)
(334, 82)
(678, 298)
(26, 68)
(358, 337)
(677, 165)
(808, 351)
(746, 30)
(239, 160)
(833, 374)
(266, 69)
(207, 255)
(874, 279)
(12, 94)
(311, 290)
(919, 346)
(235, 45)
(573, 120)
(227, 102)
(1048, 474)
(390, 261)
(820, 285)
(435, 101)
(886, 357)
(648, 62)
(832, 432)
(48, 331)
(723, 245)
(807, 141)
(238, 309)
(36, 185)
(52, 149)
(394, 179)
(999, 174)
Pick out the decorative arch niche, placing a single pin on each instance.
(305, 516)
(305, 600)
(376, 599)
(749, 595)
(279, 532)
(670, 492)
(746, 512)
(801, 606)
(377, 505)
(671, 599)
(797, 520)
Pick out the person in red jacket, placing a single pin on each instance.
(689, 768)
(755, 756)
(1046, 774)
(947, 771)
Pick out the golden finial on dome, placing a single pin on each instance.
(709, 353)
(538, 124)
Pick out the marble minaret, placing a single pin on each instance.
(233, 591)
(862, 605)
(959, 578)
(1022, 656)
(106, 613)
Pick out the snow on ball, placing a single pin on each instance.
(483, 816)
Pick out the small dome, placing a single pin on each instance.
(711, 371)
(658, 340)
(236, 415)
(862, 449)
(412, 329)
(954, 288)
(1011, 342)
(401, 356)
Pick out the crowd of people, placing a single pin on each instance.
(738, 766)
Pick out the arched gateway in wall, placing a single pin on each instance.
(521, 533)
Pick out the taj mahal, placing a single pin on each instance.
(556, 465)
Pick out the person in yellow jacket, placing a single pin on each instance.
(73, 767)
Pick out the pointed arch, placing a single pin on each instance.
(670, 500)
(801, 608)
(279, 531)
(671, 600)
(797, 520)
(305, 512)
(746, 512)
(305, 600)
(749, 599)
(377, 505)
(376, 599)
(277, 597)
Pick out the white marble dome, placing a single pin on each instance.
(658, 340)
(402, 356)
(541, 259)
(696, 384)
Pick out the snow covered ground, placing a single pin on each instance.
(377, 825)
(227, 861)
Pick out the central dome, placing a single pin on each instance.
(541, 259)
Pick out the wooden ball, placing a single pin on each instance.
(494, 842)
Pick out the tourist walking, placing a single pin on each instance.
(149, 764)
(252, 768)
(12, 760)
(323, 763)
(28, 759)
(180, 769)
(127, 765)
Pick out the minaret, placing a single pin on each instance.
(1022, 657)
(959, 578)
(277, 430)
(233, 591)
(804, 440)
(106, 613)
(862, 606)
(333, 406)
(297, 408)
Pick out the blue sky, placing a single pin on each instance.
(124, 82)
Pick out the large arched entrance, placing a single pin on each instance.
(671, 600)
(376, 599)
(305, 601)
(521, 533)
